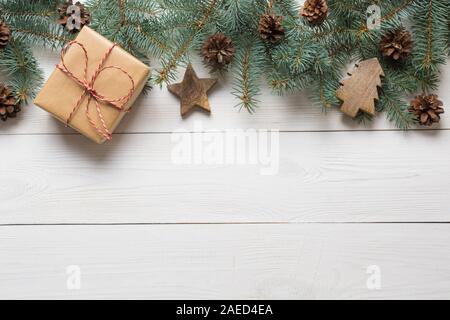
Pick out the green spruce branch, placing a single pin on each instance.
(32, 24)
(313, 57)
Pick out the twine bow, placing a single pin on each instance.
(89, 89)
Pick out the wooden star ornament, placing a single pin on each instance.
(192, 91)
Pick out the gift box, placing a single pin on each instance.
(94, 85)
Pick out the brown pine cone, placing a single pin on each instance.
(65, 16)
(218, 51)
(315, 11)
(8, 103)
(5, 34)
(427, 109)
(396, 44)
(270, 28)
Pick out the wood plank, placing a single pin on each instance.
(305, 261)
(322, 177)
(159, 112)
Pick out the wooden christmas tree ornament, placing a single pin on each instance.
(360, 91)
(192, 91)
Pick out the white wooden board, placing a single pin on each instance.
(345, 197)
(322, 177)
(306, 261)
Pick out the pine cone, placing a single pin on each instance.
(65, 16)
(8, 103)
(315, 11)
(218, 51)
(5, 34)
(427, 109)
(396, 44)
(270, 28)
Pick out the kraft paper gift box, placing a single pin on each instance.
(111, 74)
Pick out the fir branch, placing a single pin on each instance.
(21, 69)
(396, 10)
(170, 63)
(430, 25)
(324, 91)
(248, 66)
(309, 56)
(45, 38)
(122, 12)
(395, 108)
(34, 22)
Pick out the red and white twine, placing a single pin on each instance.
(92, 93)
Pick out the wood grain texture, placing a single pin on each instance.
(223, 261)
(193, 91)
(328, 174)
(322, 177)
(360, 91)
